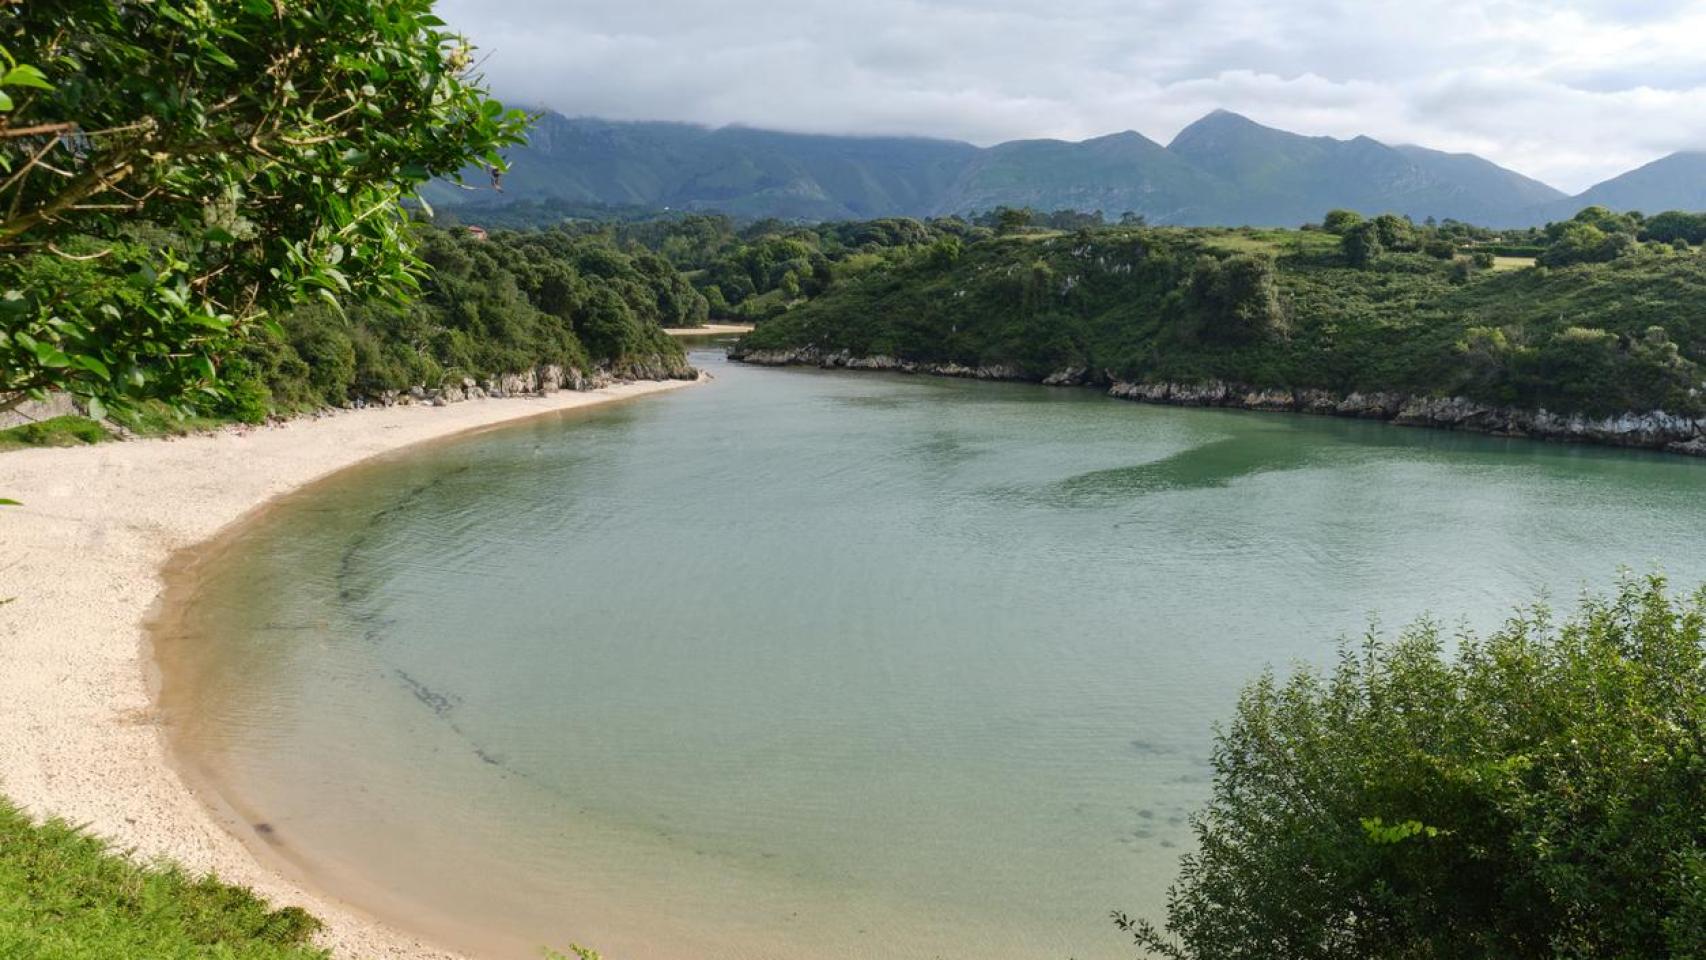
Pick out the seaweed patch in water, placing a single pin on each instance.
(439, 703)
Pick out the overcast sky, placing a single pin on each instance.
(1567, 92)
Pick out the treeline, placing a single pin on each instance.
(1594, 235)
(511, 304)
(755, 271)
(1351, 306)
(752, 272)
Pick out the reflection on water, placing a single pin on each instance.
(803, 664)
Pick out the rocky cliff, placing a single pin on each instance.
(1654, 430)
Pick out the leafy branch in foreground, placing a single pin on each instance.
(1540, 794)
(172, 171)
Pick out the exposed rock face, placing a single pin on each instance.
(811, 357)
(542, 380)
(1656, 430)
(1067, 377)
(32, 411)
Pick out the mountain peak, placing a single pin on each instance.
(1122, 138)
(1217, 121)
(1222, 169)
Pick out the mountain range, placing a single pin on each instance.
(1224, 169)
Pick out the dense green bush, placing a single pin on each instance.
(208, 164)
(1235, 299)
(1539, 793)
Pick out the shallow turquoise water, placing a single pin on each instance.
(805, 664)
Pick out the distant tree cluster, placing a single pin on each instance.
(1594, 235)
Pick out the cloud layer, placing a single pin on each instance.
(1567, 92)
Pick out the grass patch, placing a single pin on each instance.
(1273, 243)
(156, 419)
(66, 431)
(65, 896)
(1501, 264)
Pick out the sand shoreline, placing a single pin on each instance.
(709, 330)
(86, 557)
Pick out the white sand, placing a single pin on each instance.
(82, 559)
(708, 329)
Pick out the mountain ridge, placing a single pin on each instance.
(1223, 169)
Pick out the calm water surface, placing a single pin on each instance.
(808, 665)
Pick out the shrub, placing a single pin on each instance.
(1339, 221)
(1236, 299)
(1440, 248)
(1361, 244)
(1541, 794)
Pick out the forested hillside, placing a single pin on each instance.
(1613, 320)
(494, 316)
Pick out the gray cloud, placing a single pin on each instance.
(1568, 92)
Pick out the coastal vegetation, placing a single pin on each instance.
(65, 895)
(1536, 793)
(1609, 320)
(248, 251)
(513, 304)
(173, 174)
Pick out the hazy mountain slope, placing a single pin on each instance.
(1221, 170)
(1285, 178)
(1114, 174)
(766, 173)
(1676, 182)
(591, 161)
(738, 170)
(1483, 181)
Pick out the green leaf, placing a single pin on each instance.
(97, 409)
(49, 356)
(94, 366)
(24, 75)
(5, 101)
(9, 503)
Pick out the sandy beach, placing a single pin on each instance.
(79, 736)
(709, 330)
